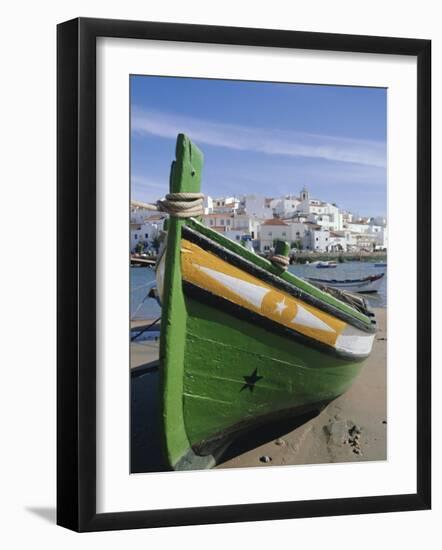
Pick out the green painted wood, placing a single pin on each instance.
(185, 176)
(219, 371)
(268, 266)
(222, 351)
(282, 248)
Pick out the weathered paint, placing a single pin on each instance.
(276, 281)
(220, 371)
(286, 275)
(282, 248)
(185, 176)
(209, 272)
(222, 350)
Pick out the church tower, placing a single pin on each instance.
(304, 194)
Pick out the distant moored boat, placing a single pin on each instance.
(365, 284)
(324, 264)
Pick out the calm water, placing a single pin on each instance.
(142, 307)
(147, 308)
(348, 270)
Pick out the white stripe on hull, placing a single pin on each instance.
(351, 342)
(254, 294)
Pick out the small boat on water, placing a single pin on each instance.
(324, 264)
(244, 342)
(365, 284)
(140, 260)
(380, 264)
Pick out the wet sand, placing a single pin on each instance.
(351, 428)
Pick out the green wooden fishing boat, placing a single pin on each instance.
(243, 341)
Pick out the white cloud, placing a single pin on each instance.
(271, 142)
(143, 182)
(147, 189)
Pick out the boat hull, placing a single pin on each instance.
(238, 375)
(242, 341)
(364, 285)
(252, 352)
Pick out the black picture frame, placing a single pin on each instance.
(76, 274)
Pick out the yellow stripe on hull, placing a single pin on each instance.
(209, 272)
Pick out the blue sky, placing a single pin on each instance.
(264, 138)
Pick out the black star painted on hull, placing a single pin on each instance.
(251, 380)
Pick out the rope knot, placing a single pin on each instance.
(280, 261)
(177, 205)
(182, 205)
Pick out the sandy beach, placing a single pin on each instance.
(351, 428)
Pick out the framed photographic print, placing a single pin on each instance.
(243, 274)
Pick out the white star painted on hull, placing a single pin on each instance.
(254, 294)
(280, 307)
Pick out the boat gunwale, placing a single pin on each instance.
(205, 296)
(275, 280)
(266, 266)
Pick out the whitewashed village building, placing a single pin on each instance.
(368, 235)
(145, 231)
(208, 204)
(225, 205)
(306, 223)
(322, 213)
(235, 226)
(285, 207)
(271, 230)
(138, 214)
(257, 206)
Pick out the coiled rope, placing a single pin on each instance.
(177, 205)
(280, 261)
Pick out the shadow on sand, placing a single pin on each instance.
(260, 435)
(146, 455)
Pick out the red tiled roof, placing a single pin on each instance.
(274, 221)
(217, 215)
